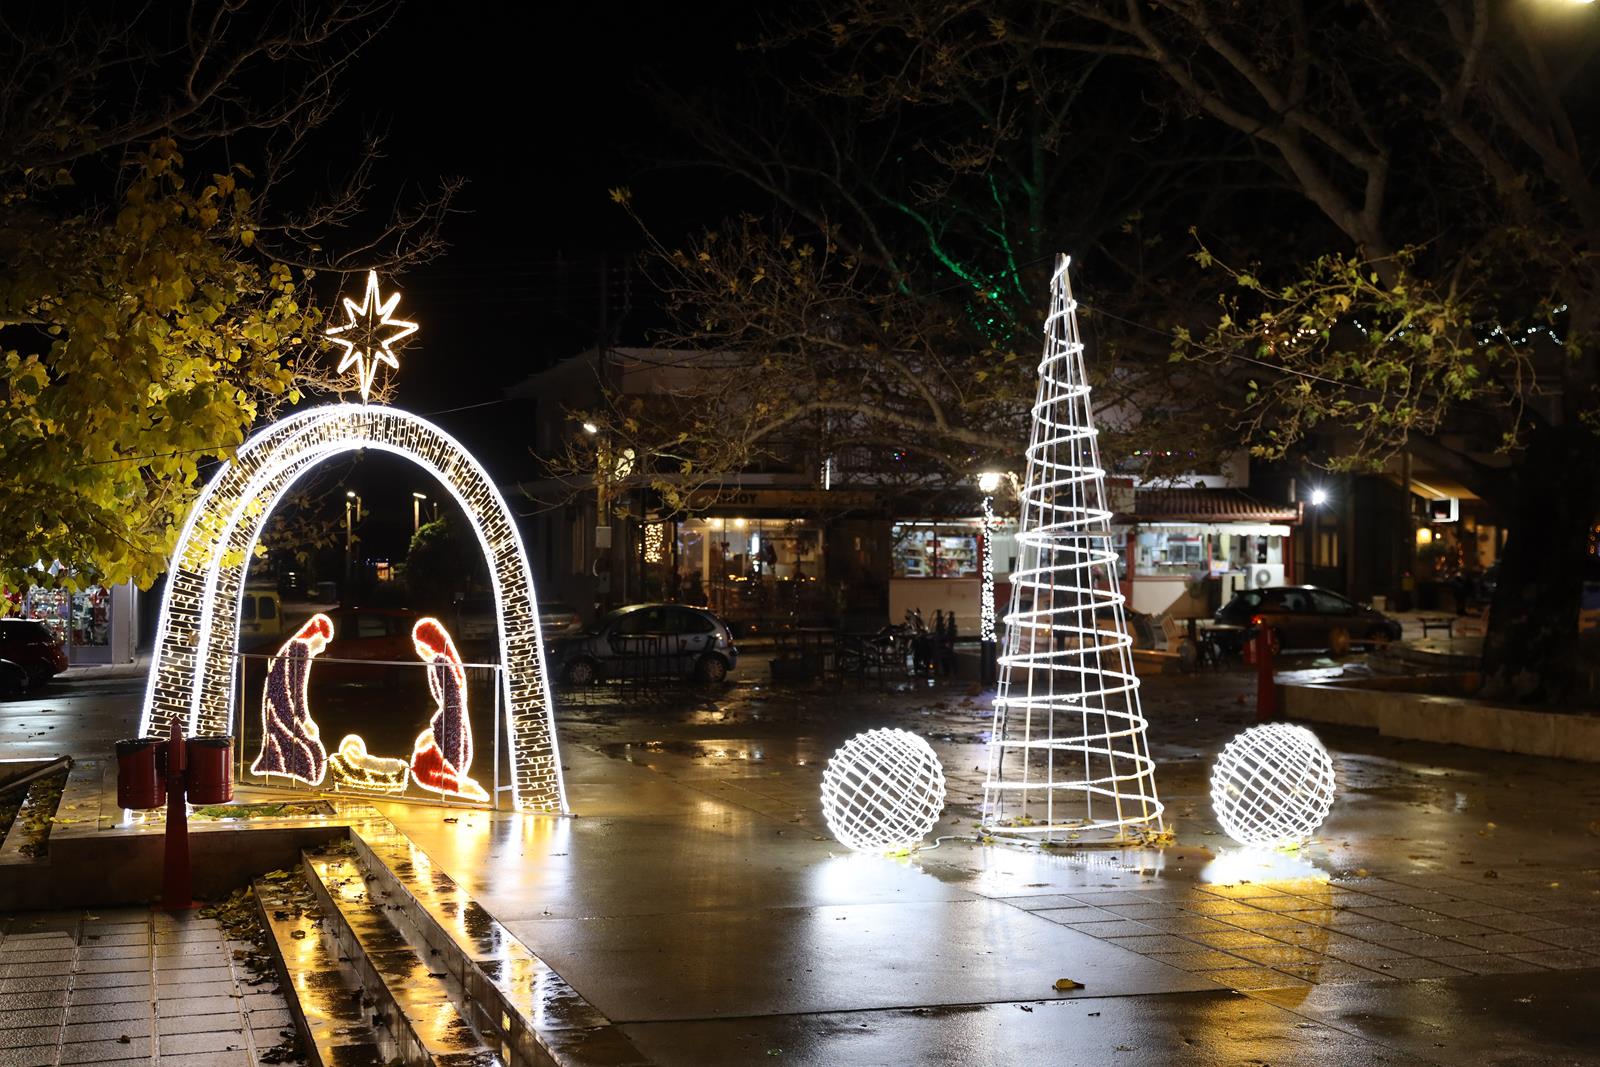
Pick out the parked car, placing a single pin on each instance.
(14, 681)
(1305, 617)
(557, 619)
(30, 645)
(260, 615)
(476, 620)
(641, 639)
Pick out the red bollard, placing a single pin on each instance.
(177, 879)
(1266, 687)
(210, 776)
(140, 781)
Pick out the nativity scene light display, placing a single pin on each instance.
(291, 741)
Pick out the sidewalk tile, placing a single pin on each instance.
(1075, 915)
(1415, 968)
(105, 1013)
(27, 1036)
(34, 984)
(1489, 963)
(208, 1059)
(107, 1031)
(114, 952)
(108, 979)
(1199, 959)
(1513, 922)
(105, 1051)
(45, 998)
(212, 1041)
(1502, 943)
(35, 1056)
(10, 1019)
(111, 995)
(112, 966)
(174, 1007)
(1557, 959)
(189, 976)
(199, 1024)
(1245, 978)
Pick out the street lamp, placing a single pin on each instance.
(416, 511)
(1319, 497)
(352, 515)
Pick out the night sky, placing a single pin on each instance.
(542, 109)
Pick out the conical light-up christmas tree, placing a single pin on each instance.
(1068, 758)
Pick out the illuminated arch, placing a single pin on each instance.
(191, 677)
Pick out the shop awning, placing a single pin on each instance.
(1207, 506)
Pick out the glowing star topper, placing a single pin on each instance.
(369, 334)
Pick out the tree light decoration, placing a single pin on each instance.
(882, 791)
(291, 744)
(196, 638)
(368, 333)
(1272, 785)
(1067, 754)
(986, 630)
(443, 752)
(655, 539)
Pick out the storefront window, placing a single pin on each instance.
(936, 550)
(745, 568)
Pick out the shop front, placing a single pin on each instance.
(96, 625)
(936, 567)
(1190, 550)
(756, 572)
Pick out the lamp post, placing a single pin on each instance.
(352, 515)
(988, 482)
(416, 512)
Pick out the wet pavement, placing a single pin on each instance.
(1448, 912)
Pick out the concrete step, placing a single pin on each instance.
(331, 1010)
(512, 997)
(413, 997)
(41, 795)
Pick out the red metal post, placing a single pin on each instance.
(177, 881)
(1266, 688)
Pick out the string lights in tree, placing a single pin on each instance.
(369, 334)
(882, 791)
(1272, 785)
(196, 640)
(655, 540)
(1068, 756)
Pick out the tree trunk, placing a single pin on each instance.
(1531, 652)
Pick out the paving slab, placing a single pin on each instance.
(753, 962)
(1215, 1029)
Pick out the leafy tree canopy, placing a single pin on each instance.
(156, 299)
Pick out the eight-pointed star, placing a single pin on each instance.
(370, 331)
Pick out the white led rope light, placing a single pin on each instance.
(882, 791)
(1272, 785)
(1068, 753)
(986, 629)
(196, 640)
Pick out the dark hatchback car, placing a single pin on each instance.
(31, 646)
(1304, 616)
(646, 639)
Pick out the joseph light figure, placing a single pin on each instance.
(1068, 757)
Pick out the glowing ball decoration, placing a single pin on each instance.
(1272, 785)
(882, 791)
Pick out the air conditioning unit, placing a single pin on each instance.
(1265, 574)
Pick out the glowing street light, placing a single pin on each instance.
(1319, 497)
(416, 511)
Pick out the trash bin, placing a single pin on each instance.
(141, 773)
(210, 761)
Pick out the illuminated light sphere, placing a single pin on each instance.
(882, 791)
(1272, 785)
(1068, 755)
(1319, 497)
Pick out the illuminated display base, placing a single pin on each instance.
(197, 638)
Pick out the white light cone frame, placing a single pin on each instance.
(1068, 757)
(1272, 785)
(191, 676)
(882, 791)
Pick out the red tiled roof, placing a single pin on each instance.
(1208, 505)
